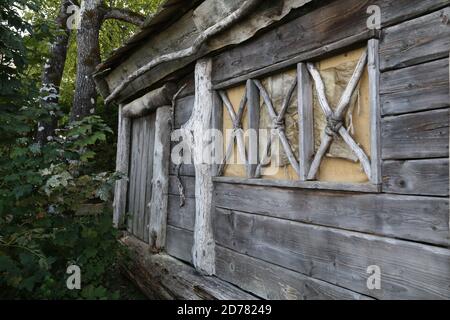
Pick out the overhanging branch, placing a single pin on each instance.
(125, 15)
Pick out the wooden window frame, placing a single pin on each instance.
(306, 130)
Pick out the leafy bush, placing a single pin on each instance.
(43, 187)
(41, 190)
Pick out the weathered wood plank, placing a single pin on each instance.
(141, 189)
(187, 170)
(416, 136)
(146, 168)
(309, 185)
(190, 28)
(133, 175)
(122, 166)
(179, 243)
(217, 124)
(148, 163)
(306, 121)
(417, 88)
(423, 39)
(253, 107)
(373, 67)
(181, 217)
(160, 276)
(421, 177)
(421, 219)
(137, 150)
(408, 270)
(322, 27)
(272, 282)
(160, 182)
(188, 184)
(183, 110)
(321, 52)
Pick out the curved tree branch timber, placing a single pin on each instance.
(201, 39)
(338, 114)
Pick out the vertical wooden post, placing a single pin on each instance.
(217, 124)
(160, 182)
(203, 254)
(306, 120)
(253, 124)
(375, 114)
(122, 164)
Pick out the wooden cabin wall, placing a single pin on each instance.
(292, 243)
(180, 223)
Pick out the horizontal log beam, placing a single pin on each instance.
(150, 102)
(160, 276)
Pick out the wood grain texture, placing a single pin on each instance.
(408, 270)
(160, 180)
(188, 184)
(187, 170)
(150, 102)
(307, 185)
(140, 178)
(181, 217)
(196, 48)
(416, 41)
(217, 124)
(160, 276)
(272, 282)
(150, 165)
(421, 177)
(415, 136)
(122, 166)
(373, 67)
(322, 27)
(253, 107)
(418, 88)
(183, 110)
(134, 167)
(179, 243)
(141, 173)
(306, 120)
(198, 126)
(423, 219)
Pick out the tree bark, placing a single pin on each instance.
(53, 73)
(92, 15)
(88, 57)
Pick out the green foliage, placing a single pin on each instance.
(41, 190)
(43, 187)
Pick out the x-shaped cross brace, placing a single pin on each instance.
(237, 134)
(335, 120)
(278, 126)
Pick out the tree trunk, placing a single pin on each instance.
(88, 57)
(53, 72)
(93, 14)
